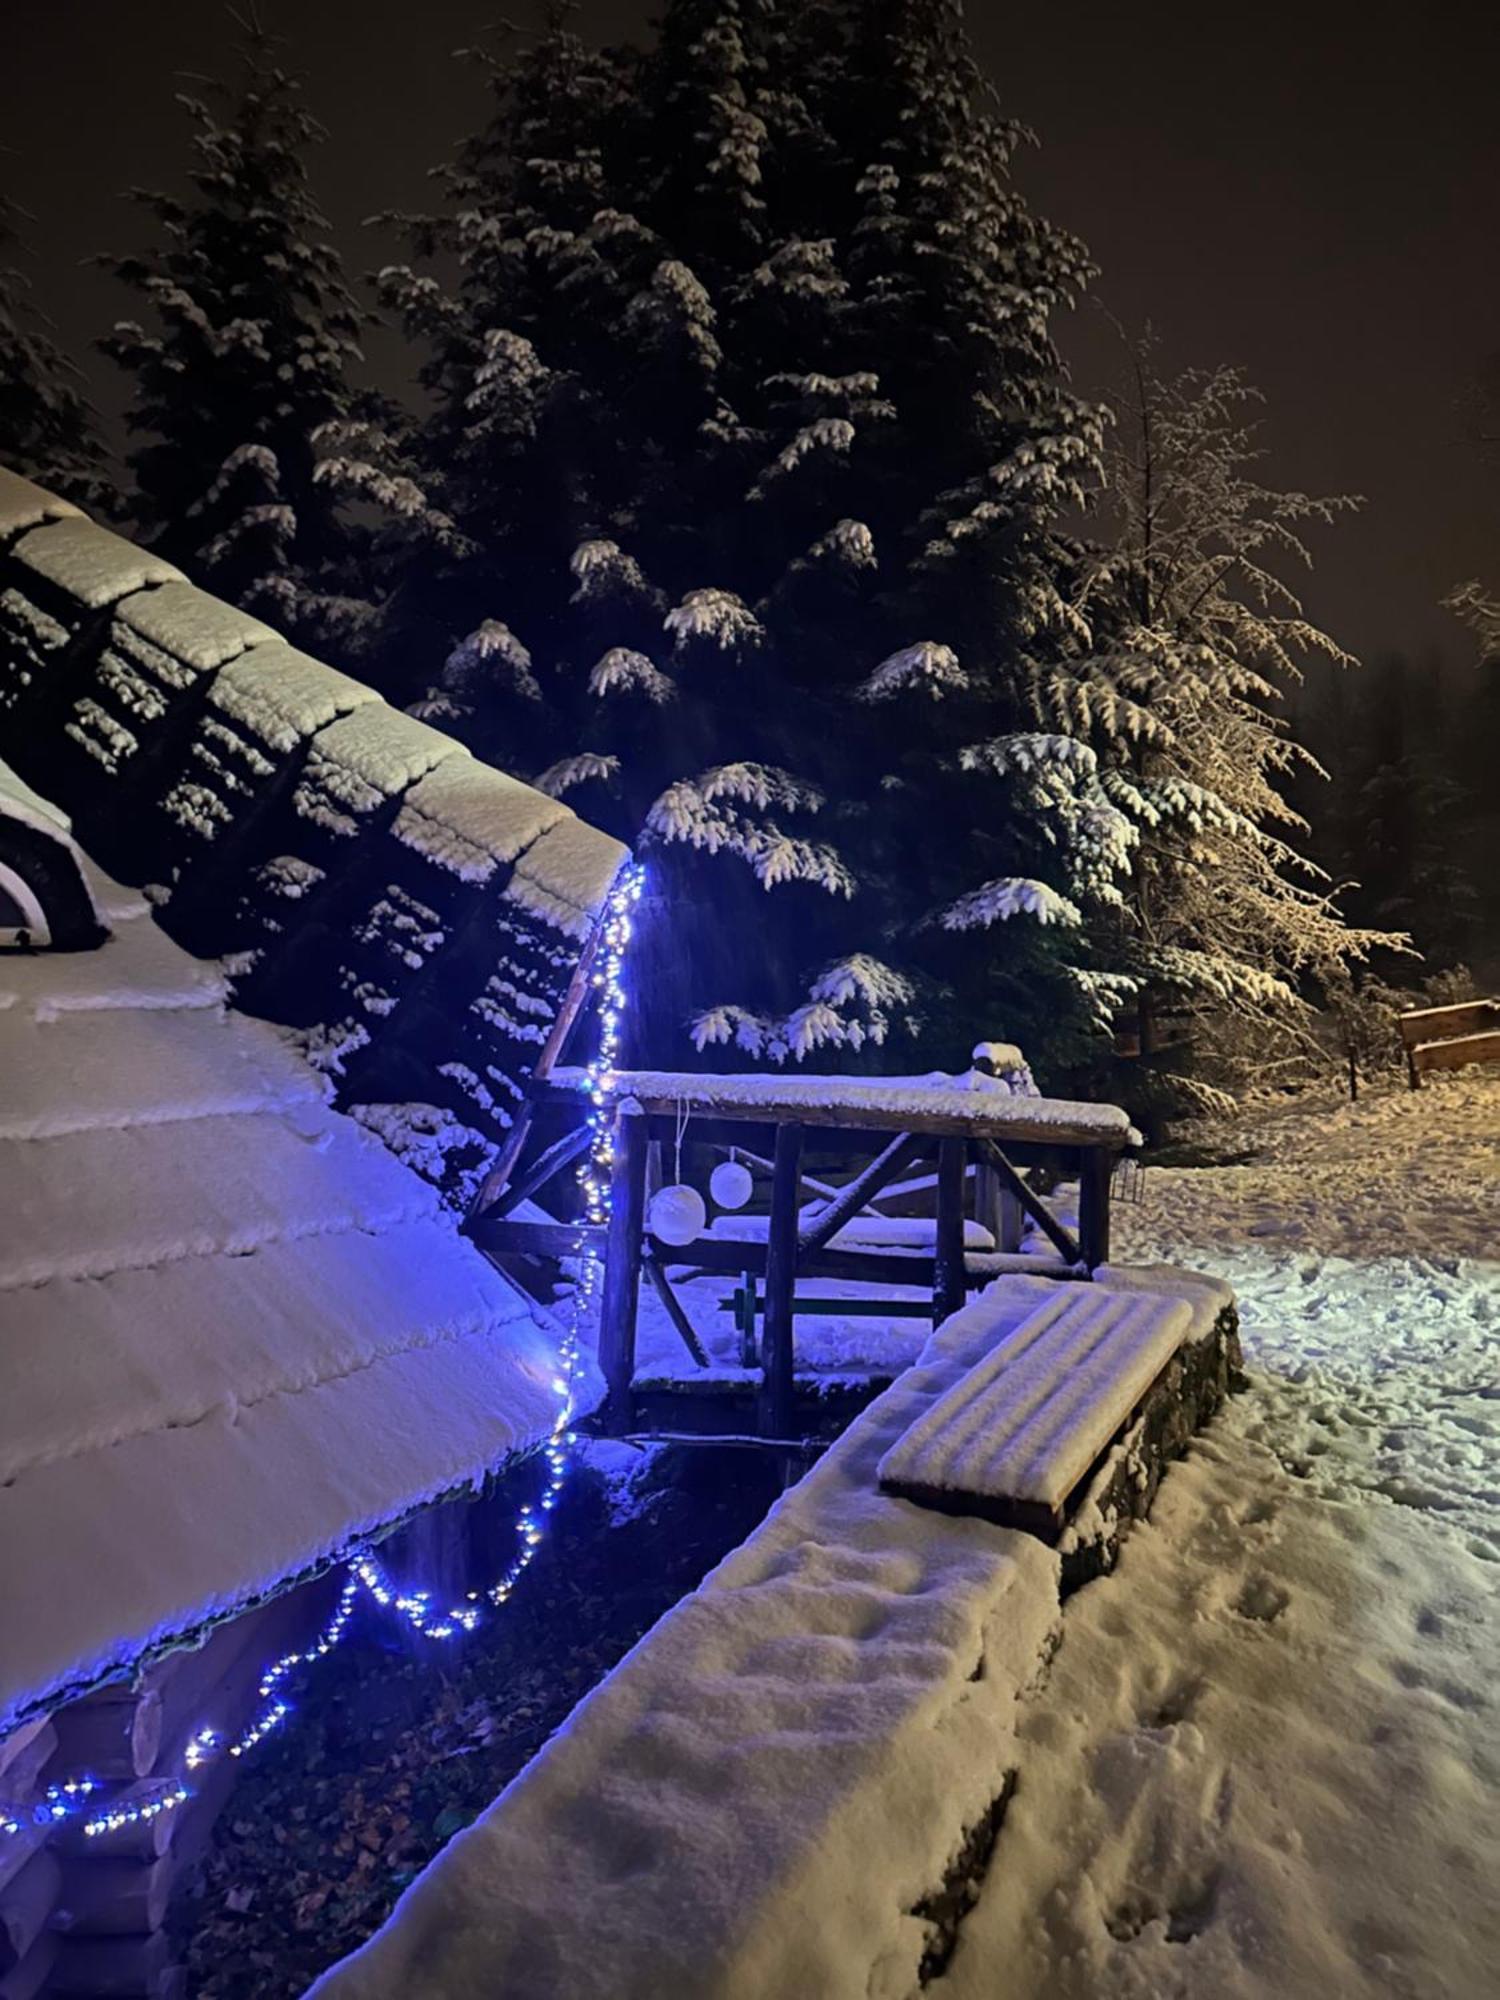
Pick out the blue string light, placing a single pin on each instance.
(364, 1572)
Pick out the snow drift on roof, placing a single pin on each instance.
(201, 630)
(90, 563)
(469, 818)
(23, 505)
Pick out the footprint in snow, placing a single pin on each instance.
(1261, 1600)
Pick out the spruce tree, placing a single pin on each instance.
(1191, 639)
(737, 511)
(48, 430)
(244, 356)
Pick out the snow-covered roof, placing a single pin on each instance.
(89, 563)
(23, 505)
(238, 1331)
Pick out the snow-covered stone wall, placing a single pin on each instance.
(418, 913)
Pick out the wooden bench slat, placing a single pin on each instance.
(1027, 1422)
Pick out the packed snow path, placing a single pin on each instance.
(1264, 1764)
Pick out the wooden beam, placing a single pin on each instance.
(1094, 1172)
(558, 1155)
(662, 1286)
(781, 1273)
(1033, 1204)
(948, 1281)
(847, 1203)
(498, 1236)
(622, 1266)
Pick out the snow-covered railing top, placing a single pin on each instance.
(422, 916)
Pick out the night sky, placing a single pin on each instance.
(1309, 191)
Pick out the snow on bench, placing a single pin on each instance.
(1015, 1437)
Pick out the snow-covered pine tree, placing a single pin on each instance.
(750, 437)
(244, 356)
(48, 430)
(1194, 640)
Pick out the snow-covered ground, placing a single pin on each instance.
(1265, 1762)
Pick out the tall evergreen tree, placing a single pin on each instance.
(246, 353)
(748, 441)
(48, 431)
(1193, 641)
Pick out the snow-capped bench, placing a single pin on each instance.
(1016, 1437)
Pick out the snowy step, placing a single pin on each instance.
(155, 1066)
(93, 1202)
(1022, 1429)
(139, 966)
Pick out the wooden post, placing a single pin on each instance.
(776, 1349)
(622, 1265)
(948, 1269)
(1095, 1167)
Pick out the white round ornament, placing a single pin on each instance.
(731, 1184)
(676, 1215)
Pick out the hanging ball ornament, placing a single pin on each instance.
(731, 1184)
(676, 1215)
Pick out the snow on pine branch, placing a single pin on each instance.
(824, 434)
(491, 650)
(718, 617)
(704, 813)
(1006, 897)
(602, 568)
(623, 671)
(927, 665)
(577, 770)
(849, 1004)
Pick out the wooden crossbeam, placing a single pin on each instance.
(571, 1146)
(897, 1156)
(662, 1286)
(1034, 1206)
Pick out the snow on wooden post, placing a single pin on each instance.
(781, 1275)
(622, 1265)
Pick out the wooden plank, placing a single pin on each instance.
(113, 1734)
(781, 1273)
(622, 1265)
(499, 1236)
(897, 1156)
(26, 1907)
(1458, 1052)
(948, 1278)
(1441, 1024)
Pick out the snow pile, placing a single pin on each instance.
(1265, 1763)
(240, 1333)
